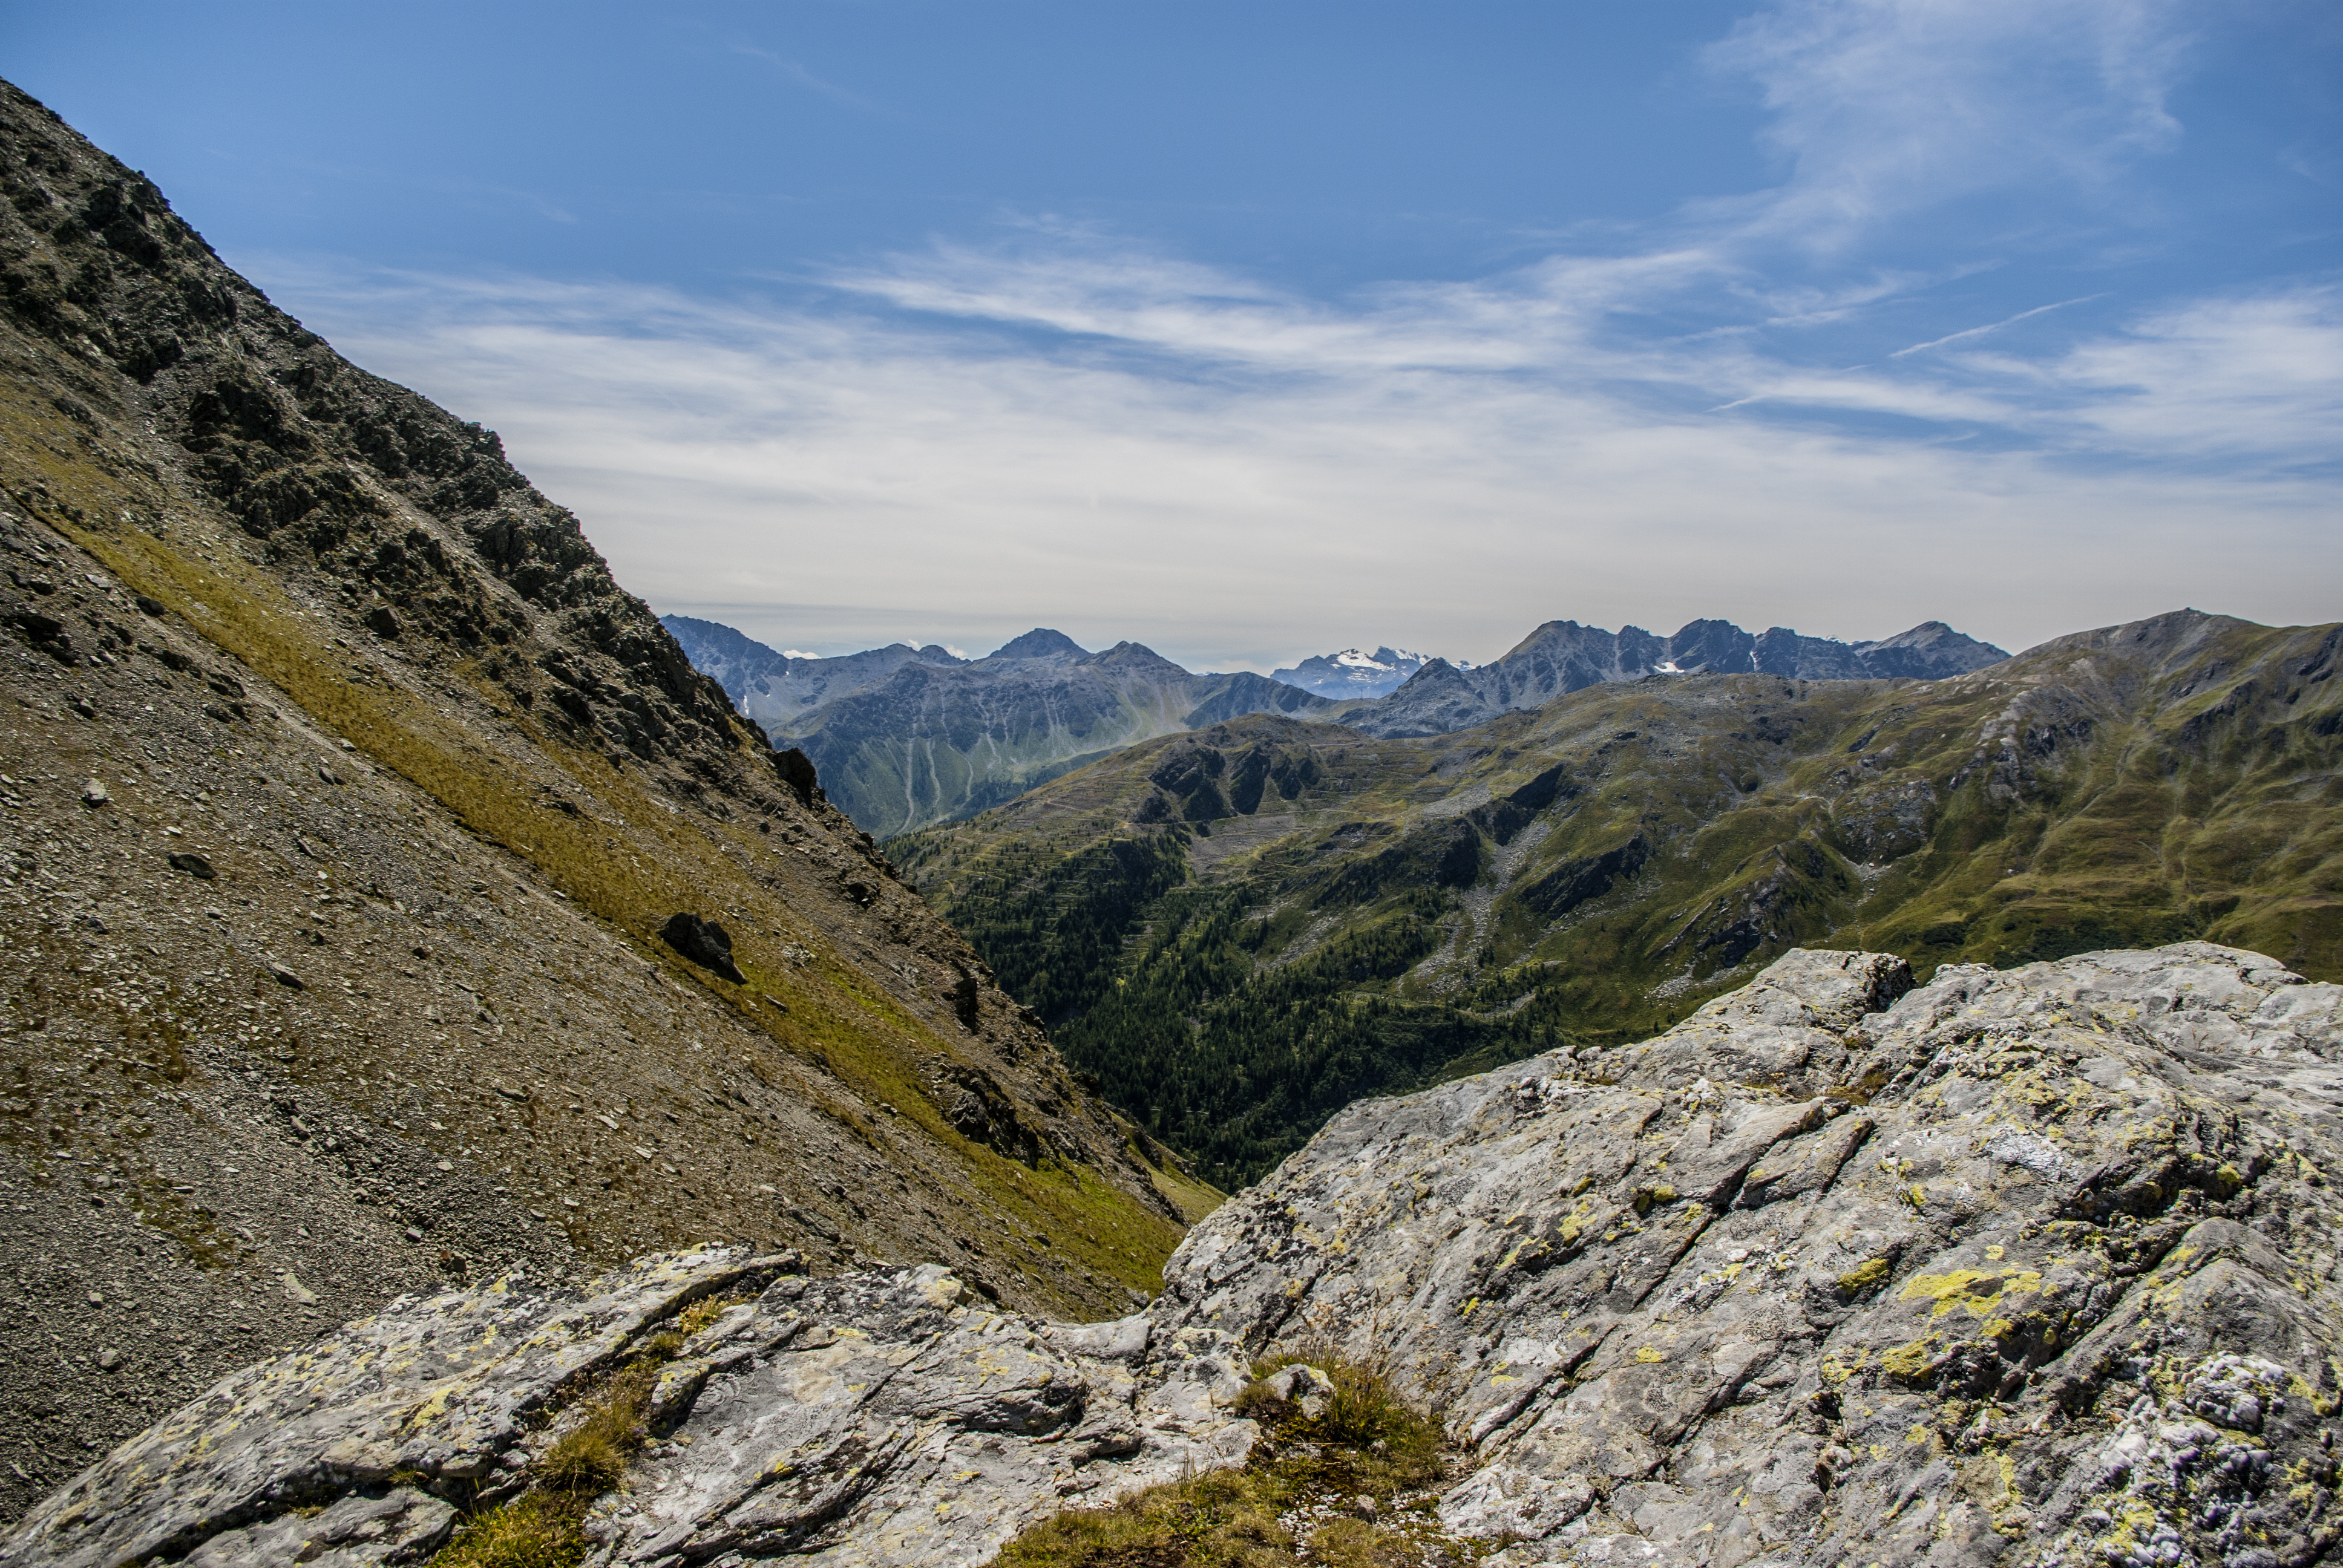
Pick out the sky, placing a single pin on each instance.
(1253, 331)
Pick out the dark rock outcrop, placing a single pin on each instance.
(704, 942)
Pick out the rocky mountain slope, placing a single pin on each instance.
(932, 741)
(345, 799)
(1243, 930)
(1353, 674)
(2028, 1269)
(773, 688)
(1562, 657)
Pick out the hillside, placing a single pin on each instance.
(1243, 929)
(345, 799)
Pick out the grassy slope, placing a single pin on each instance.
(629, 863)
(158, 413)
(2176, 778)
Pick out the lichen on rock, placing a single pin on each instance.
(2032, 1267)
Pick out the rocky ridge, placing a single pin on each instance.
(2034, 1267)
(1562, 657)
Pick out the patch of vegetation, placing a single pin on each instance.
(543, 1527)
(588, 1459)
(1353, 1487)
(539, 1530)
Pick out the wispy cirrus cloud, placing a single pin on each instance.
(1880, 107)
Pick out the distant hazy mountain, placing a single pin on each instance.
(1041, 643)
(777, 690)
(1562, 657)
(905, 736)
(1351, 673)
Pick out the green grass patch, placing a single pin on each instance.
(1351, 1487)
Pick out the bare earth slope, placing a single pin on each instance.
(343, 796)
(2026, 1268)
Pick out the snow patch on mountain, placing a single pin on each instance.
(1354, 673)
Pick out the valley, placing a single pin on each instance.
(1241, 929)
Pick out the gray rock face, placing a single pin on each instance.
(2034, 1267)
(1825, 1275)
(886, 1417)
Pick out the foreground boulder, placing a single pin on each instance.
(2025, 1267)
(2033, 1267)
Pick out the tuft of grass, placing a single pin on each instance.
(1301, 1497)
(531, 1532)
(542, 1527)
(703, 1312)
(590, 1457)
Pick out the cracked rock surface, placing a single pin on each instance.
(2032, 1267)
(2035, 1266)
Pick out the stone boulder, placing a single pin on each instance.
(704, 942)
(2033, 1268)
(2003, 1269)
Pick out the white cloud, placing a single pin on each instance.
(816, 475)
(1880, 107)
(1062, 430)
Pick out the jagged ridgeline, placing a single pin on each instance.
(1240, 930)
(388, 900)
(907, 737)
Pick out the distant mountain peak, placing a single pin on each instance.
(1039, 643)
(1351, 673)
(1563, 656)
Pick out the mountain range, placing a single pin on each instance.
(1562, 657)
(1241, 929)
(907, 737)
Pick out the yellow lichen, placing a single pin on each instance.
(1978, 1290)
(1910, 1363)
(1868, 1275)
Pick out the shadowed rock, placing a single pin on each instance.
(704, 942)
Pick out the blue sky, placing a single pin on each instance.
(1251, 331)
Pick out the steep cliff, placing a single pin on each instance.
(2026, 1268)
